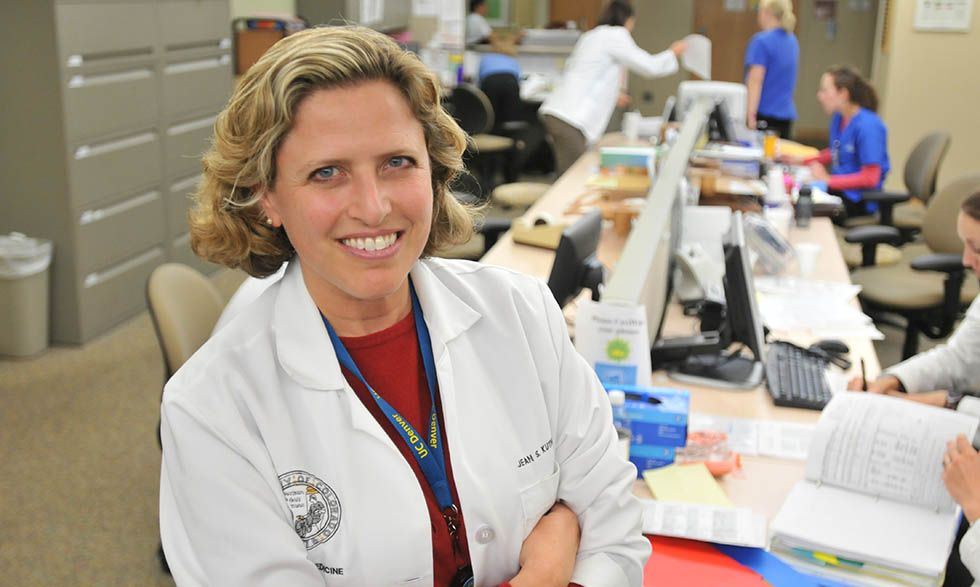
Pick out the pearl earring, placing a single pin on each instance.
(268, 221)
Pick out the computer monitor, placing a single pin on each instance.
(720, 367)
(576, 265)
(721, 127)
(732, 94)
(670, 112)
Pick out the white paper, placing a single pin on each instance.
(768, 438)
(947, 15)
(371, 11)
(887, 447)
(613, 339)
(863, 528)
(822, 307)
(738, 526)
(697, 58)
(425, 7)
(785, 440)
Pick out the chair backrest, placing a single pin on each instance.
(939, 226)
(504, 93)
(922, 165)
(471, 108)
(184, 306)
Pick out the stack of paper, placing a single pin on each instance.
(822, 307)
(724, 525)
(768, 438)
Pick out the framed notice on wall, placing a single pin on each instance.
(497, 12)
(943, 15)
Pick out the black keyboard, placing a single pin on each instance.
(795, 377)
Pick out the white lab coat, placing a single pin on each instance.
(263, 411)
(953, 366)
(586, 95)
(477, 28)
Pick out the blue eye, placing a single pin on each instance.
(399, 161)
(325, 172)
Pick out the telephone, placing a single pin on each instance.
(696, 276)
(539, 230)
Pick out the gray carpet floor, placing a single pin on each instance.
(80, 460)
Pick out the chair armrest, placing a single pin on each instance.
(943, 262)
(491, 229)
(513, 126)
(873, 235)
(885, 197)
(886, 203)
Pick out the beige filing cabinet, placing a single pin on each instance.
(108, 105)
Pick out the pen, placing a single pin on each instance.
(864, 377)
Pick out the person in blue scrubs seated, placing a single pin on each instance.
(858, 152)
(771, 60)
(379, 415)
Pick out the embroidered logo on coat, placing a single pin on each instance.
(314, 505)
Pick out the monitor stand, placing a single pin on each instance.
(727, 370)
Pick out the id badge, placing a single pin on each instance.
(463, 577)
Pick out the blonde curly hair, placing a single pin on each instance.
(227, 223)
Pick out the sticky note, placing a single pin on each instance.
(686, 483)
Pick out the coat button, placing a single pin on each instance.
(485, 534)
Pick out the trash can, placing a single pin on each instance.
(24, 266)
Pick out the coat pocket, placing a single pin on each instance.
(537, 498)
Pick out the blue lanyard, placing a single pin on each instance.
(428, 454)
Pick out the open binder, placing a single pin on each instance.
(872, 508)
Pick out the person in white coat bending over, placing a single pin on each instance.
(378, 416)
(591, 87)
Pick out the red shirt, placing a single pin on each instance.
(391, 362)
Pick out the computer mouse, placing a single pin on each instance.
(832, 346)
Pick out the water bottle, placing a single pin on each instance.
(621, 420)
(804, 207)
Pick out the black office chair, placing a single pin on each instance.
(486, 152)
(513, 118)
(929, 287)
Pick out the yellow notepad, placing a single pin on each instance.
(686, 483)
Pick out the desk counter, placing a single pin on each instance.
(764, 482)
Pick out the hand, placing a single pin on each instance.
(961, 474)
(750, 121)
(880, 385)
(623, 100)
(819, 172)
(548, 553)
(678, 47)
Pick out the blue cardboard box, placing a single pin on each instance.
(646, 456)
(658, 415)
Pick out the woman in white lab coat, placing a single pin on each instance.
(377, 417)
(577, 112)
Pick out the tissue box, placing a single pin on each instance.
(647, 457)
(658, 415)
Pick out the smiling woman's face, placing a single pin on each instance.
(353, 191)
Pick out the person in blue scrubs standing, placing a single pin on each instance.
(771, 61)
(858, 153)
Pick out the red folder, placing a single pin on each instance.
(676, 561)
